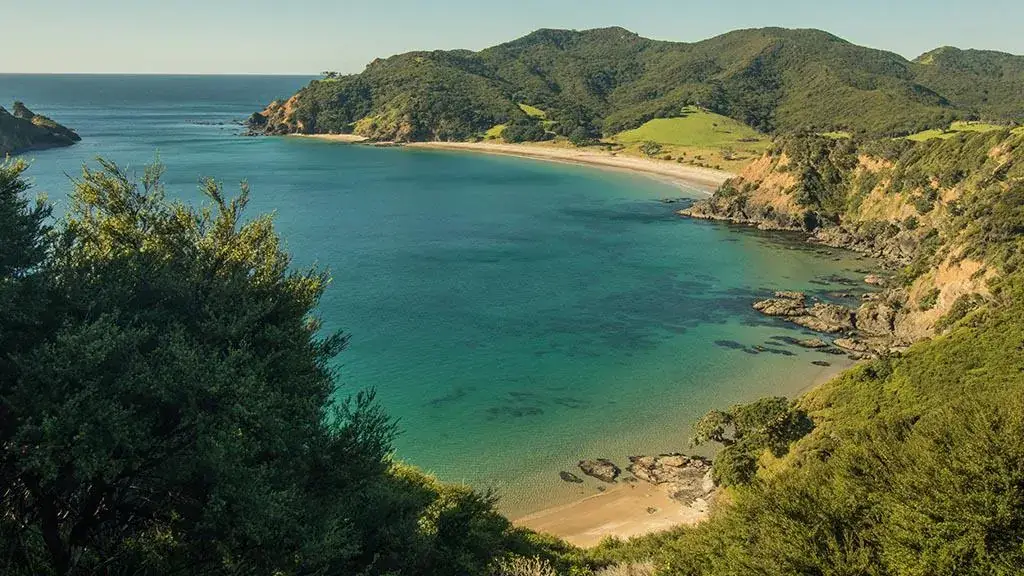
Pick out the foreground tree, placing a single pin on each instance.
(767, 424)
(166, 399)
(167, 406)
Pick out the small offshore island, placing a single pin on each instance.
(24, 130)
(190, 328)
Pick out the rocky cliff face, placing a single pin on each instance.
(292, 116)
(925, 209)
(278, 118)
(24, 130)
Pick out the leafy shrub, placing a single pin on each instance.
(650, 148)
(929, 300)
(767, 424)
(963, 306)
(520, 566)
(524, 129)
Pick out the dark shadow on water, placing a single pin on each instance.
(457, 394)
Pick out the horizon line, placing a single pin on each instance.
(281, 74)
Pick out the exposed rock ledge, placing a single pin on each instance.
(870, 329)
(897, 251)
(687, 479)
(603, 469)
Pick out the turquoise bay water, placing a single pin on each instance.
(515, 316)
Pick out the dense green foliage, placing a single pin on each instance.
(166, 405)
(22, 130)
(915, 467)
(768, 424)
(980, 79)
(610, 80)
(524, 129)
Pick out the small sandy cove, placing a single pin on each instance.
(704, 179)
(627, 509)
(624, 510)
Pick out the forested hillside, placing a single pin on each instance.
(604, 81)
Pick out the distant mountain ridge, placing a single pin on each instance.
(604, 81)
(23, 130)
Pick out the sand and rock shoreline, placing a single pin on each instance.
(652, 493)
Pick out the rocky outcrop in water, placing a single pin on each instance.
(812, 343)
(820, 316)
(278, 118)
(603, 469)
(22, 130)
(785, 304)
(875, 280)
(868, 330)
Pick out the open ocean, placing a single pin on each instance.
(515, 316)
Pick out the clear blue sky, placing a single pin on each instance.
(307, 36)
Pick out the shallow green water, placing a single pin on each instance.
(515, 316)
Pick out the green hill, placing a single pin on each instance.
(25, 130)
(606, 81)
(981, 80)
(694, 127)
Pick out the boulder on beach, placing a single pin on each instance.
(685, 478)
(603, 469)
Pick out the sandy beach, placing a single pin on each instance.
(628, 509)
(704, 179)
(624, 510)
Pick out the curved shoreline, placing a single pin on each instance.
(622, 510)
(705, 180)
